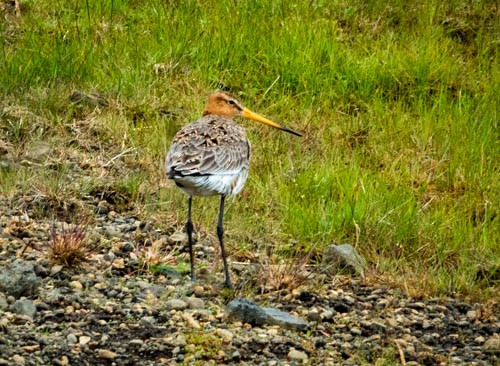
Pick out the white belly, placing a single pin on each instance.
(211, 185)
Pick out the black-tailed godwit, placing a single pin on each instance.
(211, 157)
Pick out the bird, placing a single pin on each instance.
(211, 157)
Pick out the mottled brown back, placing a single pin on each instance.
(213, 145)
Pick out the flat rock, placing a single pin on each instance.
(247, 311)
(106, 354)
(195, 303)
(492, 345)
(25, 307)
(176, 304)
(18, 279)
(296, 355)
(344, 255)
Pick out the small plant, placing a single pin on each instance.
(69, 246)
(289, 273)
(156, 259)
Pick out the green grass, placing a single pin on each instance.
(398, 103)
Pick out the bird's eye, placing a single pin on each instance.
(231, 101)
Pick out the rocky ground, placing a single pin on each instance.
(118, 308)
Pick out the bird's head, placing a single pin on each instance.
(225, 105)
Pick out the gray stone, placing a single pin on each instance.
(144, 285)
(147, 320)
(247, 311)
(224, 333)
(344, 255)
(176, 304)
(195, 303)
(296, 355)
(109, 256)
(71, 338)
(18, 279)
(327, 314)
(492, 345)
(55, 269)
(3, 301)
(128, 247)
(356, 331)
(112, 231)
(178, 237)
(313, 316)
(25, 307)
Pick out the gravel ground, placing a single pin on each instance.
(112, 311)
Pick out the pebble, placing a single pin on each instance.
(313, 315)
(84, 340)
(118, 263)
(236, 356)
(71, 338)
(327, 315)
(109, 257)
(195, 303)
(179, 237)
(224, 333)
(191, 321)
(55, 269)
(356, 331)
(64, 361)
(127, 247)
(479, 339)
(176, 304)
(148, 320)
(106, 354)
(25, 307)
(296, 355)
(112, 231)
(31, 348)
(18, 360)
(76, 284)
(136, 342)
(492, 345)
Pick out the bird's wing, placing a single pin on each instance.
(208, 147)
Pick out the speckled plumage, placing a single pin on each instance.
(209, 157)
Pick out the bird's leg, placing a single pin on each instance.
(220, 233)
(189, 229)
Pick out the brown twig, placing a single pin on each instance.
(18, 8)
(401, 353)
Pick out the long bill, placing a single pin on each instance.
(251, 115)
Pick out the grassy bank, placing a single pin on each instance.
(398, 104)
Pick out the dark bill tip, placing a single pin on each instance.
(286, 129)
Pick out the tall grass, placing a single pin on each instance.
(398, 102)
